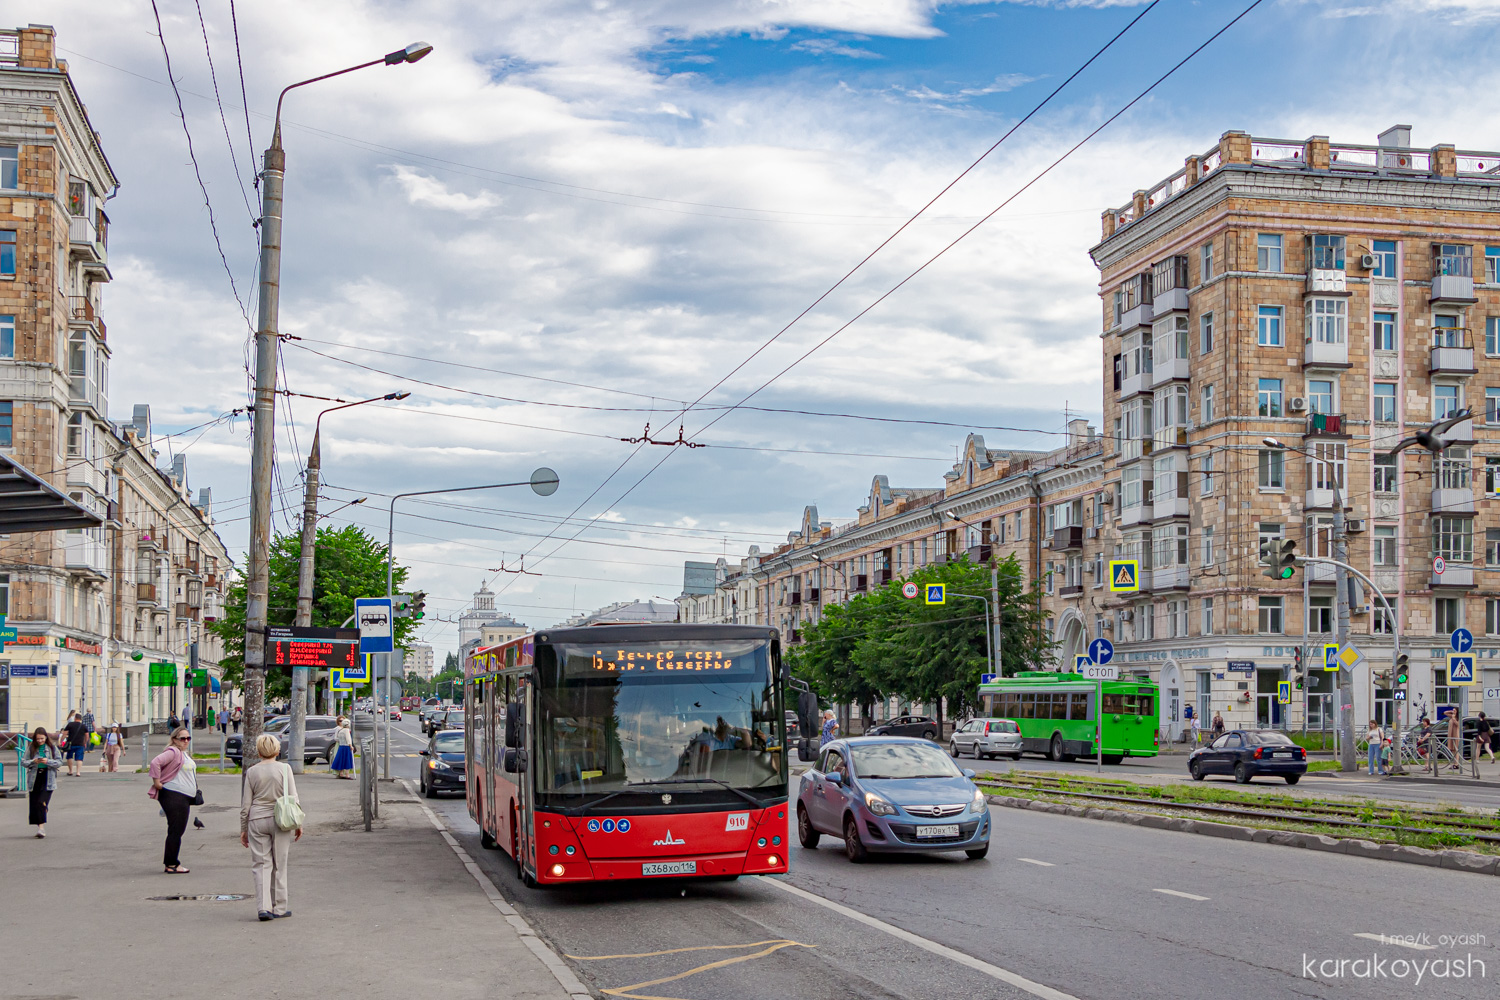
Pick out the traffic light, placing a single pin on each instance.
(1401, 671)
(418, 605)
(1298, 675)
(409, 605)
(1278, 557)
(1383, 678)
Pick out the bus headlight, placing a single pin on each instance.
(878, 805)
(980, 802)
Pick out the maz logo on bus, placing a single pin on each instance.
(609, 825)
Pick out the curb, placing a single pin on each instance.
(1465, 861)
(1454, 782)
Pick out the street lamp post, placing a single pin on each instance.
(267, 337)
(543, 482)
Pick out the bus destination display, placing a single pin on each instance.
(659, 658)
(316, 648)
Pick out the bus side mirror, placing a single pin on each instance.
(805, 752)
(515, 761)
(513, 726)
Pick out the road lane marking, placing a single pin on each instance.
(1398, 942)
(978, 965)
(1034, 861)
(627, 992)
(1184, 895)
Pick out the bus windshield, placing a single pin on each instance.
(655, 716)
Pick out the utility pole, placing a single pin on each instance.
(1341, 581)
(301, 676)
(995, 603)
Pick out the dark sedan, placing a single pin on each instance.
(452, 718)
(921, 726)
(1249, 753)
(444, 766)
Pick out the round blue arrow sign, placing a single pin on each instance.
(1462, 640)
(1101, 651)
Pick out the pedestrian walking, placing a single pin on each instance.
(174, 786)
(1455, 740)
(1217, 728)
(261, 826)
(830, 727)
(1374, 736)
(1197, 732)
(43, 761)
(235, 717)
(114, 746)
(78, 743)
(88, 724)
(1484, 738)
(343, 757)
(173, 722)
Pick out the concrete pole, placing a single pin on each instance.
(1345, 676)
(300, 676)
(995, 643)
(258, 576)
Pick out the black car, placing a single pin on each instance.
(444, 766)
(1246, 753)
(453, 718)
(921, 726)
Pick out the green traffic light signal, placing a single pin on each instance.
(1287, 572)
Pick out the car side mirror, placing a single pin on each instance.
(805, 752)
(969, 773)
(515, 761)
(513, 729)
(424, 753)
(834, 778)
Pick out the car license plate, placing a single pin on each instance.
(463, 777)
(670, 868)
(1283, 755)
(941, 830)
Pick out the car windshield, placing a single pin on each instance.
(902, 760)
(657, 714)
(1268, 739)
(450, 742)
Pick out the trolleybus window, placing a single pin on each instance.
(656, 713)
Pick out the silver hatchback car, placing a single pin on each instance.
(987, 738)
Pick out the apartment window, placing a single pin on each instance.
(1385, 545)
(1272, 469)
(1327, 252)
(1327, 459)
(1442, 694)
(1446, 331)
(1383, 402)
(1448, 614)
(1491, 617)
(1320, 614)
(1098, 570)
(1205, 262)
(1206, 333)
(1051, 572)
(1177, 618)
(1206, 402)
(1492, 335)
(1269, 320)
(1384, 332)
(1146, 614)
(1130, 487)
(1492, 265)
(1455, 259)
(1380, 622)
(1267, 532)
(7, 424)
(1455, 468)
(1327, 321)
(1453, 539)
(1170, 340)
(1385, 473)
(1208, 545)
(1169, 274)
(1270, 615)
(1208, 616)
(1119, 311)
(1206, 475)
(7, 251)
(1385, 258)
(1444, 401)
(1320, 395)
(1170, 542)
(10, 167)
(1268, 397)
(1268, 252)
(7, 336)
(1098, 511)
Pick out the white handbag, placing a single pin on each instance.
(288, 812)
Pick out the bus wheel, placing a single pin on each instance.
(1054, 752)
(486, 841)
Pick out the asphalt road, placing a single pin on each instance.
(1084, 908)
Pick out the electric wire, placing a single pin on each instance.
(244, 100)
(213, 76)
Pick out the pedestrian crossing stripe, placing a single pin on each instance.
(1124, 575)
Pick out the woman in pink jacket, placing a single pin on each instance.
(174, 786)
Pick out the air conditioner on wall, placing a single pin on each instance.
(1296, 404)
(1126, 616)
(1354, 526)
(1367, 261)
(1091, 532)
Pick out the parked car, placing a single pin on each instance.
(444, 766)
(1248, 753)
(793, 726)
(317, 743)
(923, 726)
(453, 718)
(891, 794)
(987, 738)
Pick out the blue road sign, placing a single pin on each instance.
(937, 593)
(1460, 668)
(360, 673)
(1462, 640)
(987, 678)
(1080, 661)
(1101, 651)
(374, 617)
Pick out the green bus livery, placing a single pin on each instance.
(1055, 712)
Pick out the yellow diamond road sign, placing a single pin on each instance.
(1350, 655)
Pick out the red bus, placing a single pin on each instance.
(618, 752)
(409, 703)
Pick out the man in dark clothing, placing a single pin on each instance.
(78, 741)
(1484, 738)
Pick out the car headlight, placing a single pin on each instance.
(438, 765)
(878, 805)
(980, 802)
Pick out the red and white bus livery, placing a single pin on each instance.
(630, 751)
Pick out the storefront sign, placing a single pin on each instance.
(27, 640)
(79, 646)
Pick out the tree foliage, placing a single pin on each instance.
(349, 564)
(882, 644)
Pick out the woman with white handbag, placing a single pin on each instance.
(270, 820)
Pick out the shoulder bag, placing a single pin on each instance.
(288, 812)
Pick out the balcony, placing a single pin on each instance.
(1170, 436)
(1139, 315)
(1166, 371)
(86, 553)
(1132, 384)
(1327, 281)
(1453, 501)
(145, 593)
(1453, 276)
(1320, 424)
(796, 597)
(81, 310)
(88, 240)
(1453, 360)
(1076, 590)
(1069, 537)
(979, 554)
(186, 612)
(1167, 578)
(1321, 573)
(1176, 506)
(1134, 448)
(1135, 515)
(1461, 432)
(1322, 499)
(796, 637)
(883, 577)
(1453, 576)
(1317, 353)
(814, 594)
(861, 583)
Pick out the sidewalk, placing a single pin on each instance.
(386, 914)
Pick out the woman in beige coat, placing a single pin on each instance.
(269, 844)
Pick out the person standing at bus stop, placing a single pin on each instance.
(343, 757)
(1455, 740)
(830, 727)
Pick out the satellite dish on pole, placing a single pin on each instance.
(544, 482)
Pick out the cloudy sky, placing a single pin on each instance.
(575, 217)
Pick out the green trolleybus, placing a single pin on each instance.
(1056, 714)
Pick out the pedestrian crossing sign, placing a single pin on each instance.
(337, 681)
(1283, 692)
(1124, 575)
(937, 593)
(360, 673)
(1081, 660)
(1461, 669)
(1330, 656)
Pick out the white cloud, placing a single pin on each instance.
(429, 192)
(831, 47)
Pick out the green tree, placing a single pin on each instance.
(350, 564)
(451, 662)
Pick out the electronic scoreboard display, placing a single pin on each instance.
(314, 648)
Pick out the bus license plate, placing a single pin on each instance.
(945, 830)
(670, 868)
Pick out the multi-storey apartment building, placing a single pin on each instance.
(1334, 299)
(420, 661)
(85, 601)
